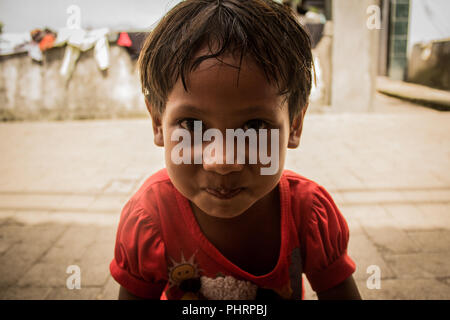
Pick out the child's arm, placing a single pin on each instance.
(139, 263)
(346, 290)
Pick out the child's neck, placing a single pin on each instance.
(250, 240)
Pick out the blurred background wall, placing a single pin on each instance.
(354, 43)
(354, 55)
(33, 91)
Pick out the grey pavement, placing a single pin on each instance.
(63, 184)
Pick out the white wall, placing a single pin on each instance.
(354, 60)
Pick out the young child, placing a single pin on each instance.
(215, 224)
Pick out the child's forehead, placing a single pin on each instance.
(232, 76)
(232, 57)
(221, 82)
(224, 86)
(218, 90)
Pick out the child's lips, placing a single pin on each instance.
(224, 193)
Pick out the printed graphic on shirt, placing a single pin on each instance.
(227, 288)
(186, 276)
(183, 270)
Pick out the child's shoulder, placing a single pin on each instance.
(308, 199)
(156, 179)
(156, 189)
(302, 186)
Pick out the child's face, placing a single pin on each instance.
(213, 97)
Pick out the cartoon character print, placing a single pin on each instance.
(185, 274)
(183, 270)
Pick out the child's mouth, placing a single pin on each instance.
(224, 193)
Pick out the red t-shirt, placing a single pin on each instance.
(159, 244)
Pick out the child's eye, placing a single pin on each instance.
(255, 124)
(187, 124)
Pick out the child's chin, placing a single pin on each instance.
(223, 211)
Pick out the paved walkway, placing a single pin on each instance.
(63, 184)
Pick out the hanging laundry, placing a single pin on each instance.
(47, 42)
(45, 38)
(13, 43)
(71, 56)
(124, 40)
(101, 53)
(37, 35)
(72, 37)
(34, 52)
(112, 37)
(137, 40)
(31, 42)
(91, 37)
(79, 40)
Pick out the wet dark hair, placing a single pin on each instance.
(265, 30)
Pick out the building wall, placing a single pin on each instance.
(398, 39)
(354, 56)
(29, 90)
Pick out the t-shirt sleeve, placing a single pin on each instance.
(325, 240)
(139, 263)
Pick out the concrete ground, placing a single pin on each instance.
(63, 184)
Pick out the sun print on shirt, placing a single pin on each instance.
(183, 270)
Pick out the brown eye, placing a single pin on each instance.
(187, 124)
(255, 124)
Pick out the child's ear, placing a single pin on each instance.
(296, 129)
(156, 124)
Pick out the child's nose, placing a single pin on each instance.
(213, 163)
(223, 168)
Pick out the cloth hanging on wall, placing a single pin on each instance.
(47, 42)
(13, 43)
(124, 40)
(45, 38)
(71, 55)
(79, 40)
(34, 52)
(34, 43)
(41, 40)
(133, 42)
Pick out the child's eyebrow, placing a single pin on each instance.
(191, 109)
(254, 110)
(260, 111)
